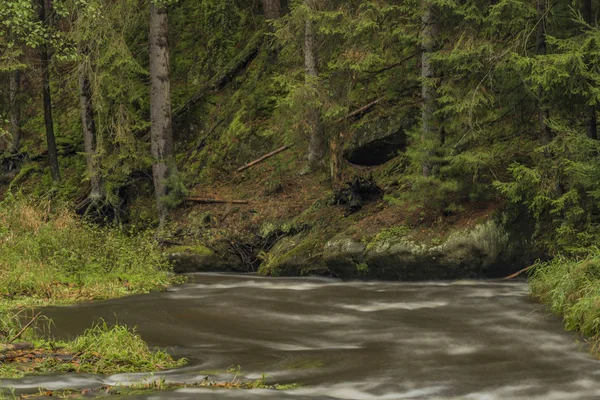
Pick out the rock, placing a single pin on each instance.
(464, 254)
(344, 246)
(470, 253)
(377, 141)
(345, 257)
(293, 256)
(199, 258)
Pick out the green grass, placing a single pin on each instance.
(101, 349)
(571, 288)
(50, 256)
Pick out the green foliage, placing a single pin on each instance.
(571, 288)
(45, 255)
(116, 349)
(101, 349)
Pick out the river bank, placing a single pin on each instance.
(48, 256)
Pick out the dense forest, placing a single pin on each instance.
(292, 137)
(474, 101)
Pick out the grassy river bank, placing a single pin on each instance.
(49, 256)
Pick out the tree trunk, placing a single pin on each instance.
(591, 116)
(428, 93)
(336, 160)
(15, 112)
(161, 131)
(543, 113)
(271, 9)
(88, 125)
(587, 12)
(316, 146)
(45, 17)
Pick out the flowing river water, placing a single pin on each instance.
(361, 340)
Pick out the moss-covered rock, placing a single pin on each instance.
(294, 255)
(393, 254)
(378, 139)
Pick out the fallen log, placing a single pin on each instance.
(226, 75)
(214, 201)
(360, 110)
(261, 159)
(4, 348)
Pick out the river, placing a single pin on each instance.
(338, 340)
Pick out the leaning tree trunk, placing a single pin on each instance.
(316, 146)
(430, 128)
(543, 112)
(271, 8)
(45, 13)
(591, 116)
(88, 125)
(161, 131)
(15, 112)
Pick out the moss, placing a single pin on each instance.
(396, 232)
(292, 261)
(362, 268)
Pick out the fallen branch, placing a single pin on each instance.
(15, 347)
(519, 272)
(263, 158)
(215, 201)
(360, 110)
(18, 335)
(219, 80)
(410, 57)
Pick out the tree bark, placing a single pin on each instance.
(15, 111)
(316, 146)
(88, 125)
(161, 130)
(45, 17)
(271, 9)
(591, 112)
(430, 126)
(544, 112)
(587, 12)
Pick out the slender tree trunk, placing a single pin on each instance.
(88, 125)
(430, 128)
(15, 112)
(161, 131)
(336, 165)
(316, 146)
(45, 12)
(591, 112)
(587, 12)
(544, 112)
(271, 8)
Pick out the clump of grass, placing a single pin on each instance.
(117, 349)
(52, 256)
(101, 349)
(571, 288)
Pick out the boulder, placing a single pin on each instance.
(293, 256)
(469, 253)
(377, 140)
